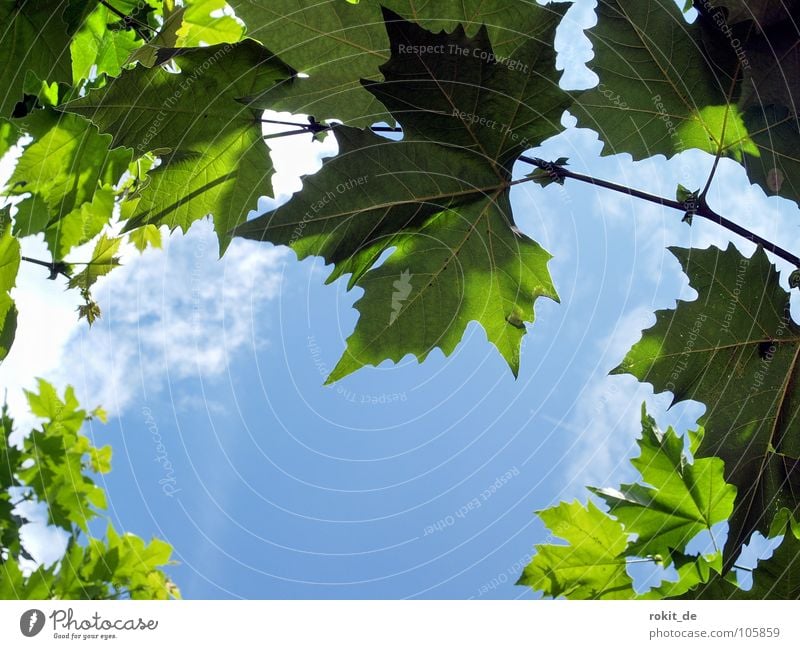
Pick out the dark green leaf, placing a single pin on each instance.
(34, 39)
(667, 86)
(340, 43)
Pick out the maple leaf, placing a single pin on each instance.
(439, 197)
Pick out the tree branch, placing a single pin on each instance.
(558, 173)
(56, 268)
(700, 208)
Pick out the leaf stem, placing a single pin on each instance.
(24, 499)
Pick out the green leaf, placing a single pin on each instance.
(781, 520)
(439, 91)
(550, 174)
(772, 75)
(47, 404)
(763, 13)
(34, 39)
(440, 198)
(8, 136)
(8, 324)
(14, 584)
(69, 170)
(104, 260)
(592, 566)
(213, 159)
(89, 310)
(101, 45)
(657, 94)
(9, 265)
(9, 260)
(776, 169)
(734, 349)
(200, 28)
(146, 236)
(779, 576)
(692, 571)
(679, 500)
(100, 459)
(339, 43)
(667, 86)
(9, 460)
(167, 37)
(47, 94)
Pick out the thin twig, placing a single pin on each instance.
(721, 146)
(316, 127)
(137, 25)
(700, 209)
(56, 268)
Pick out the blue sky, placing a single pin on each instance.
(284, 488)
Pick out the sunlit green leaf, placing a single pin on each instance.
(213, 158)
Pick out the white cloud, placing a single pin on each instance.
(574, 48)
(167, 315)
(606, 419)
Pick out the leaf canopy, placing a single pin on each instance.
(652, 520)
(735, 349)
(54, 466)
